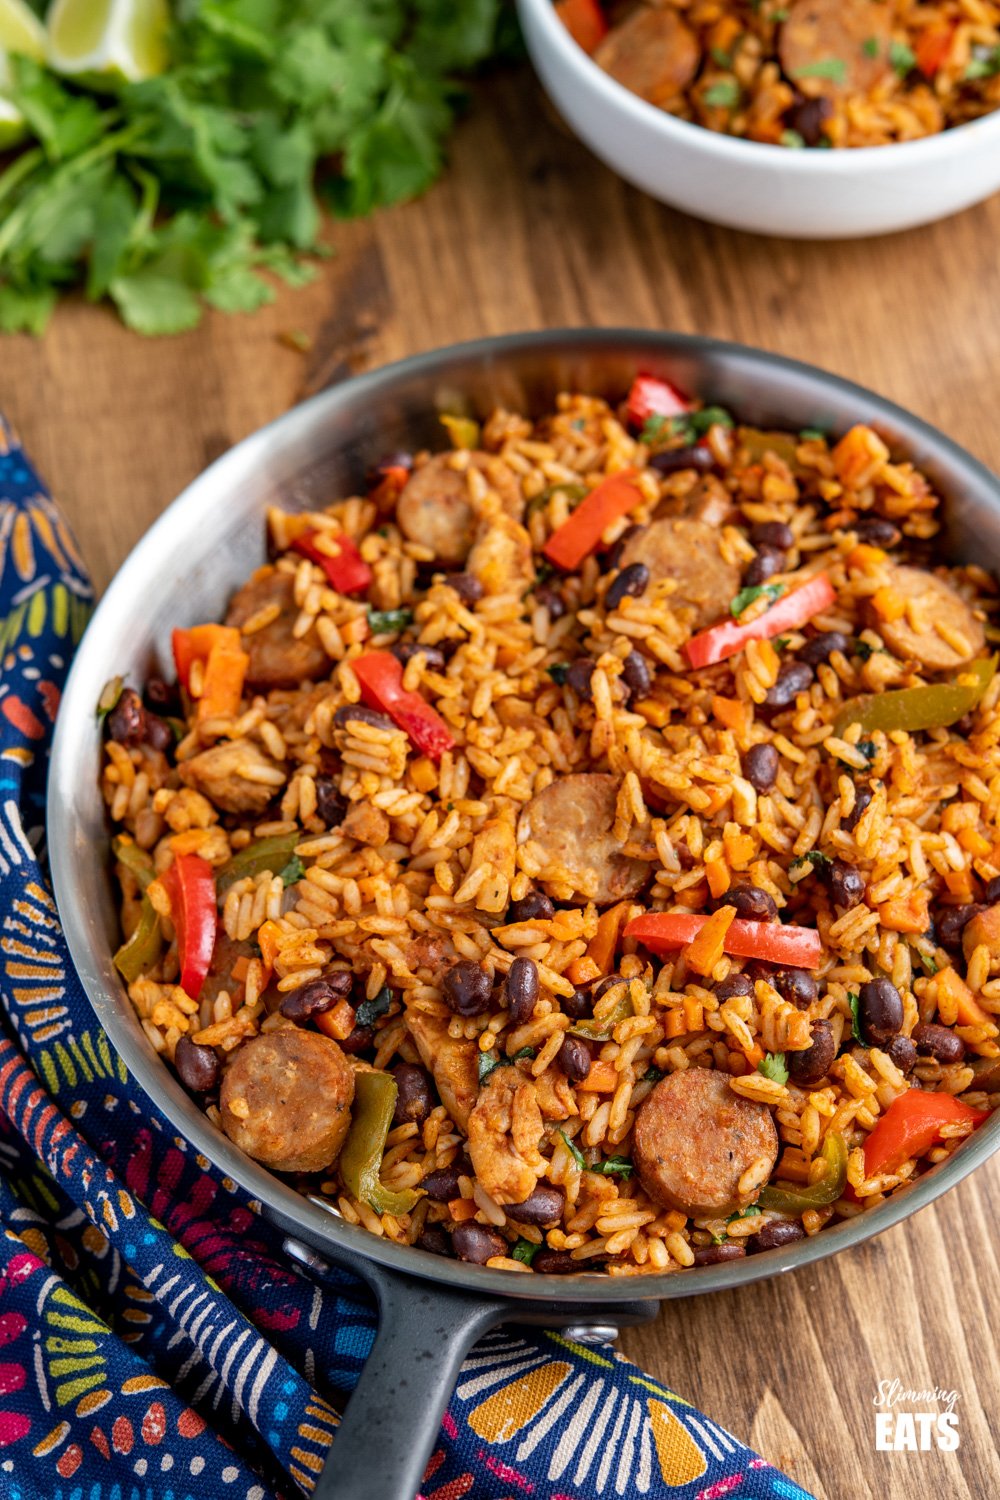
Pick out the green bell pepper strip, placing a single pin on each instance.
(600, 1031)
(361, 1158)
(266, 854)
(933, 707)
(135, 860)
(818, 1194)
(143, 948)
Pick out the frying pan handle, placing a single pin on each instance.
(394, 1414)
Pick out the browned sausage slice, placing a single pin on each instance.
(286, 1100)
(434, 508)
(694, 1139)
(687, 551)
(453, 1061)
(652, 53)
(235, 775)
(571, 821)
(278, 659)
(831, 48)
(938, 629)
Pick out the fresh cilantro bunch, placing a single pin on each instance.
(183, 190)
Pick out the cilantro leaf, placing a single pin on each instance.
(743, 1213)
(854, 1001)
(369, 1011)
(984, 63)
(753, 591)
(524, 1251)
(652, 1075)
(815, 857)
(772, 1066)
(833, 68)
(574, 1151)
(559, 671)
(293, 871)
(902, 58)
(487, 1063)
(613, 1166)
(724, 94)
(389, 621)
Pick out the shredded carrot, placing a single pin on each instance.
(956, 999)
(225, 673)
(601, 948)
(905, 914)
(718, 876)
(889, 604)
(462, 1209)
(602, 1078)
(583, 970)
(706, 947)
(731, 712)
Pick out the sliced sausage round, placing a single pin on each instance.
(688, 552)
(695, 1138)
(572, 822)
(652, 53)
(286, 1100)
(937, 606)
(829, 48)
(278, 659)
(434, 507)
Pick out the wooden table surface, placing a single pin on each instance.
(528, 231)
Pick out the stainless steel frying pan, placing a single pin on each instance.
(183, 571)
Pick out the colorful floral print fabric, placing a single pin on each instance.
(154, 1342)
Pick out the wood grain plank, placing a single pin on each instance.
(529, 230)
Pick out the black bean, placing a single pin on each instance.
(158, 732)
(405, 651)
(435, 1239)
(331, 807)
(903, 1053)
(752, 903)
(863, 795)
(579, 1005)
(414, 1094)
(551, 599)
(317, 996)
(877, 531)
(609, 982)
(714, 1255)
(467, 989)
(476, 1243)
(939, 1042)
(442, 1185)
(558, 1263)
(772, 534)
(797, 986)
(775, 1233)
(467, 587)
(574, 1058)
(991, 895)
(964, 726)
(534, 907)
(793, 678)
(806, 118)
(164, 697)
(362, 714)
(543, 1207)
(760, 767)
(360, 1040)
(611, 559)
(631, 581)
(636, 674)
(579, 675)
(951, 922)
(764, 566)
(521, 989)
(735, 984)
(880, 1010)
(821, 647)
(677, 459)
(808, 1067)
(845, 884)
(197, 1066)
(127, 720)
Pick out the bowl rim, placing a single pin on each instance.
(298, 1215)
(941, 147)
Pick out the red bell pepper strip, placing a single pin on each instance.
(196, 644)
(789, 613)
(911, 1126)
(666, 931)
(190, 884)
(652, 397)
(584, 20)
(933, 47)
(577, 537)
(348, 572)
(381, 679)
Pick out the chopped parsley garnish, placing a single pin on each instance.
(293, 871)
(524, 1251)
(524, 1052)
(725, 94)
(929, 965)
(389, 621)
(902, 57)
(574, 1151)
(854, 1001)
(652, 1075)
(864, 649)
(746, 596)
(772, 1065)
(559, 671)
(812, 435)
(815, 858)
(868, 749)
(870, 46)
(653, 427)
(369, 1011)
(488, 1061)
(721, 56)
(743, 1213)
(710, 416)
(985, 63)
(833, 68)
(792, 140)
(781, 642)
(613, 1166)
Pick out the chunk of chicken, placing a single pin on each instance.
(235, 775)
(505, 1131)
(453, 1061)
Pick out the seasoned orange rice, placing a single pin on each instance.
(453, 912)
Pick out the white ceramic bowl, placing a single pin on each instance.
(766, 189)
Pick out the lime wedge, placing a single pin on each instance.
(109, 40)
(20, 31)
